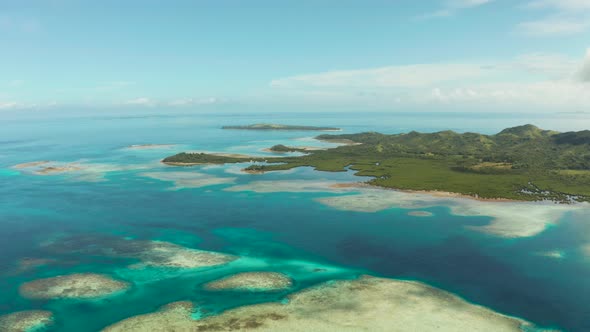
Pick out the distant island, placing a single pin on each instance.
(520, 163)
(270, 126)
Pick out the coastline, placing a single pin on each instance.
(434, 193)
(170, 163)
(304, 148)
(342, 141)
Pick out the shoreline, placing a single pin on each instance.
(304, 148)
(342, 141)
(436, 193)
(171, 163)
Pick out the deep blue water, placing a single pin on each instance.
(288, 232)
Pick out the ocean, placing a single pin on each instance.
(117, 193)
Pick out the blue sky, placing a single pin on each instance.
(472, 55)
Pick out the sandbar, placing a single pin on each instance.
(365, 304)
(252, 281)
(75, 286)
(25, 321)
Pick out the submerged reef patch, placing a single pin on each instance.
(30, 263)
(74, 286)
(78, 171)
(420, 214)
(25, 321)
(252, 281)
(365, 304)
(149, 253)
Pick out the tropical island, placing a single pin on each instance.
(521, 163)
(271, 126)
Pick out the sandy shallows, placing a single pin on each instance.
(508, 219)
(299, 186)
(22, 321)
(75, 286)
(77, 171)
(252, 281)
(366, 304)
(188, 179)
(149, 146)
(148, 253)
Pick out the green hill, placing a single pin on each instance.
(524, 163)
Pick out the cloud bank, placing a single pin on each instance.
(560, 18)
(533, 81)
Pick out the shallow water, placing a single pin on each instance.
(289, 232)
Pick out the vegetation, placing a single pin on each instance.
(523, 163)
(283, 148)
(268, 126)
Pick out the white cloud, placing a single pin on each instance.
(193, 101)
(450, 7)
(551, 65)
(553, 27)
(560, 18)
(181, 102)
(535, 81)
(19, 24)
(9, 105)
(467, 3)
(16, 105)
(562, 5)
(584, 73)
(387, 77)
(142, 101)
(16, 83)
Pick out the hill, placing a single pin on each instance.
(521, 163)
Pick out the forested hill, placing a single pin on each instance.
(523, 163)
(523, 146)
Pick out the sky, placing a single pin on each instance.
(447, 55)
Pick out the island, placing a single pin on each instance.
(522, 163)
(271, 126)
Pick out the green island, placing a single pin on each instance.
(271, 126)
(521, 163)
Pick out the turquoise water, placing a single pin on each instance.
(288, 232)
